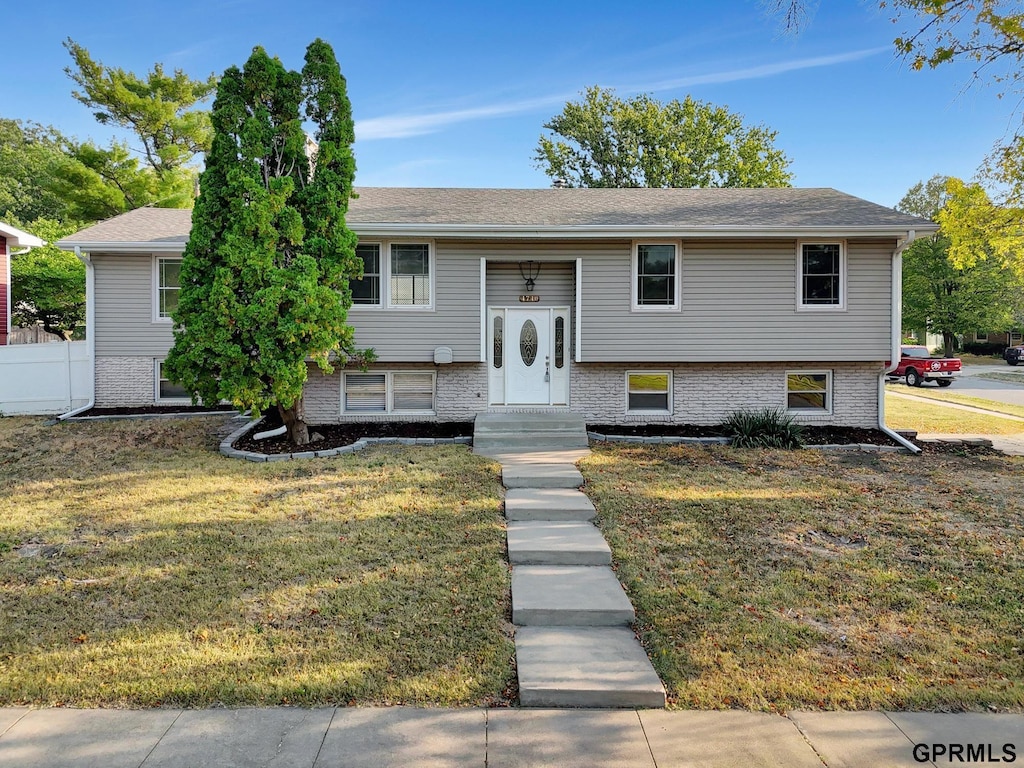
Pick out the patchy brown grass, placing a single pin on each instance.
(138, 567)
(776, 580)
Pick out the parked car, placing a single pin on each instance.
(917, 365)
(1013, 355)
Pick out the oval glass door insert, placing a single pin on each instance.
(528, 342)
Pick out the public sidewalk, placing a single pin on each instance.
(499, 738)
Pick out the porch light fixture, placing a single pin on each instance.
(529, 271)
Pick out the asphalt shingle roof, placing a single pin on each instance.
(685, 209)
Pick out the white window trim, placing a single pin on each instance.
(800, 305)
(634, 274)
(157, 362)
(829, 393)
(382, 255)
(385, 277)
(671, 405)
(389, 393)
(157, 258)
(979, 338)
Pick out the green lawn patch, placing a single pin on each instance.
(777, 580)
(901, 413)
(138, 567)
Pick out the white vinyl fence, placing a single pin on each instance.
(44, 378)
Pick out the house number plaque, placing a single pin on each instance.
(528, 298)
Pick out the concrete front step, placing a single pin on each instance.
(548, 504)
(495, 432)
(585, 667)
(498, 441)
(541, 476)
(556, 543)
(568, 595)
(536, 422)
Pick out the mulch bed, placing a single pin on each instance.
(153, 410)
(337, 435)
(812, 435)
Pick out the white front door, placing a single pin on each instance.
(529, 356)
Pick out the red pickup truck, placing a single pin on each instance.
(917, 366)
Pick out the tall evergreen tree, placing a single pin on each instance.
(265, 277)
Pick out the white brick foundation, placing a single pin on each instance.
(704, 393)
(122, 381)
(460, 394)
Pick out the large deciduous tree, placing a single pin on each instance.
(986, 34)
(48, 284)
(949, 295)
(160, 109)
(265, 275)
(605, 141)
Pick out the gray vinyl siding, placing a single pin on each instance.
(738, 303)
(124, 308)
(555, 285)
(411, 334)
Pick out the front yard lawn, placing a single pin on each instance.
(777, 580)
(138, 567)
(902, 413)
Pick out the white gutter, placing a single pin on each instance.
(896, 335)
(529, 232)
(90, 330)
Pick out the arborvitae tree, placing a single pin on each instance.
(265, 276)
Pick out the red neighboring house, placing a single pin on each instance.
(11, 241)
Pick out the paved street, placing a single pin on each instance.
(969, 383)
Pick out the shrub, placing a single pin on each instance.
(765, 428)
(983, 348)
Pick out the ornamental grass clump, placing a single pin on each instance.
(764, 428)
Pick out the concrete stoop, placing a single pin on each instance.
(503, 432)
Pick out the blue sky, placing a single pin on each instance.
(456, 93)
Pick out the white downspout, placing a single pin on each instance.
(895, 338)
(90, 330)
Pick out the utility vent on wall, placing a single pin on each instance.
(442, 355)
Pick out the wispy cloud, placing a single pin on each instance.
(764, 70)
(405, 125)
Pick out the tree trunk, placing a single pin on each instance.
(295, 419)
(948, 342)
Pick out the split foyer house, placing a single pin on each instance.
(623, 305)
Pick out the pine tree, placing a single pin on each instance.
(265, 276)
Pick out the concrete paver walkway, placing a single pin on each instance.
(382, 737)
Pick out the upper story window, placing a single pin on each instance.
(821, 272)
(410, 275)
(656, 276)
(367, 290)
(395, 275)
(167, 281)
